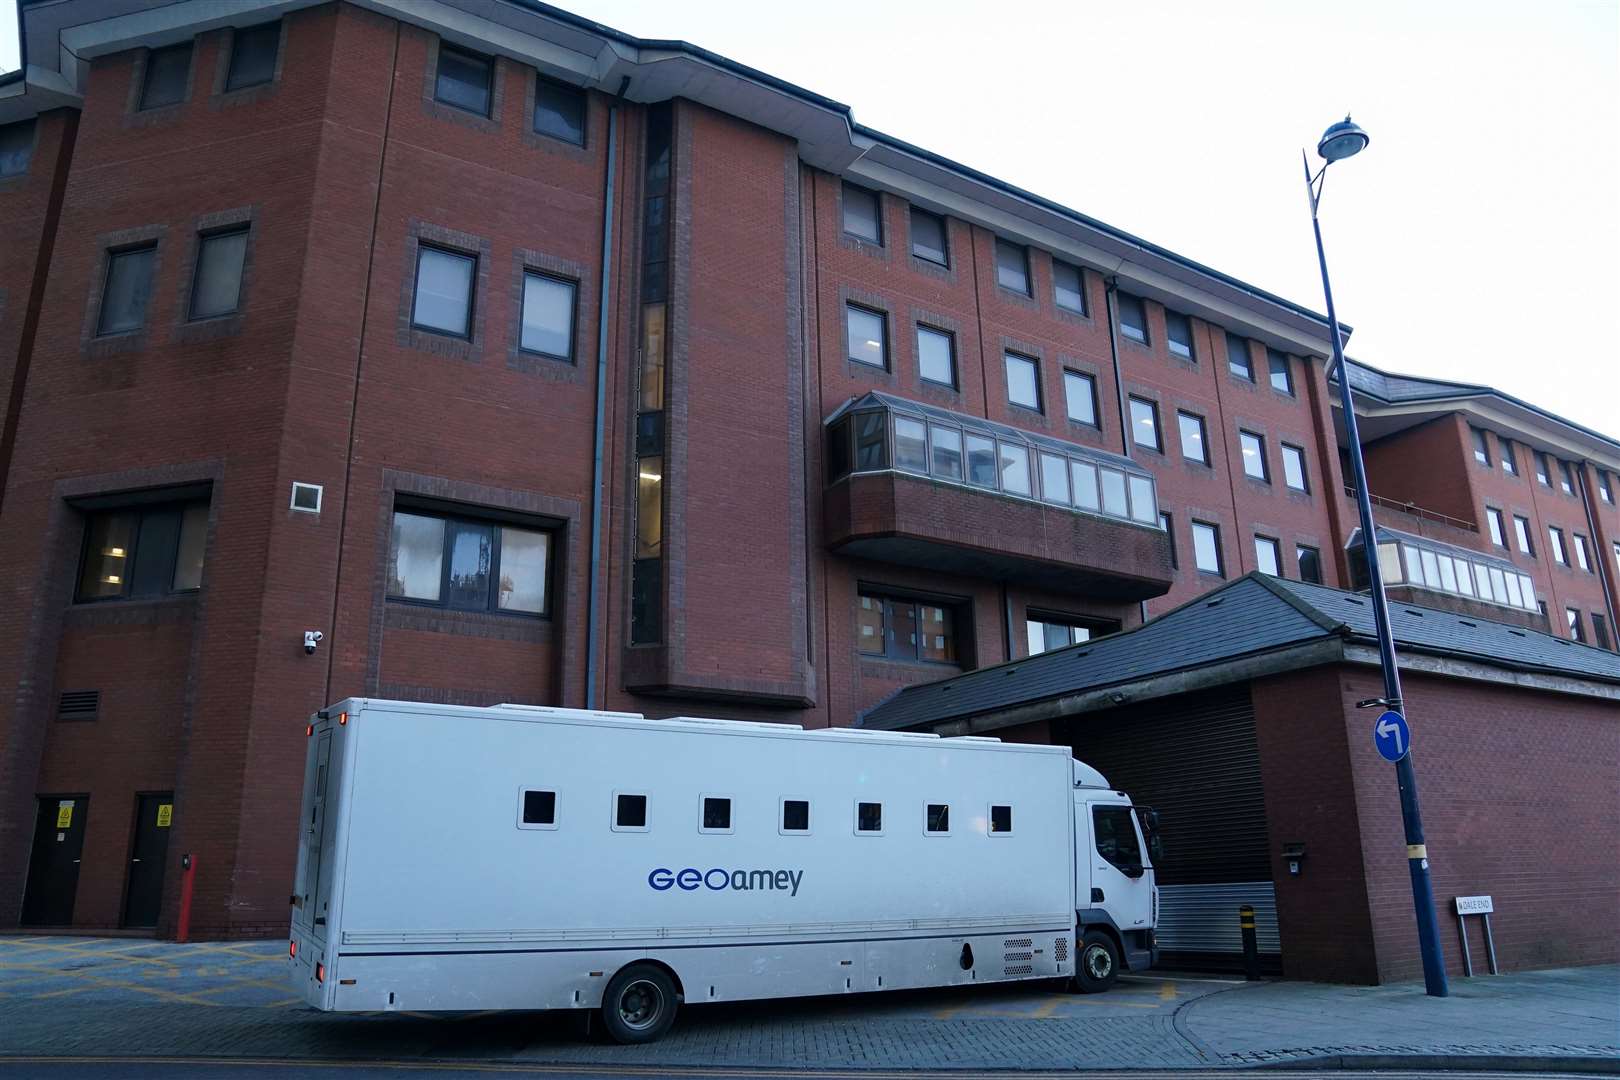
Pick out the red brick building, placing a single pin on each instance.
(524, 360)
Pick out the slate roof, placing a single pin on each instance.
(1252, 615)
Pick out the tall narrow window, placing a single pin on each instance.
(1014, 468)
(1521, 533)
(1023, 381)
(1482, 450)
(928, 237)
(1566, 477)
(1555, 541)
(1145, 424)
(1238, 359)
(1168, 524)
(559, 111)
(936, 356)
(1012, 266)
(168, 70)
(1178, 334)
(1282, 376)
(866, 336)
(1493, 518)
(128, 287)
(1068, 287)
(1207, 547)
(1582, 560)
(1080, 397)
(1543, 469)
(1310, 564)
(216, 288)
(548, 316)
(1510, 460)
(1572, 617)
(444, 291)
(1254, 456)
(1605, 492)
(862, 217)
(1193, 443)
(647, 568)
(1132, 317)
(1266, 556)
(465, 79)
(1600, 631)
(1294, 468)
(253, 56)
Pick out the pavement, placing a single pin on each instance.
(67, 1002)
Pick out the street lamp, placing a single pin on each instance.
(1342, 140)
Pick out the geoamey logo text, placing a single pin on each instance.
(691, 879)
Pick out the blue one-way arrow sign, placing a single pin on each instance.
(1391, 736)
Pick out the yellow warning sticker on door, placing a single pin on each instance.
(64, 814)
(165, 812)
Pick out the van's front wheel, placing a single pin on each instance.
(1097, 966)
(639, 1005)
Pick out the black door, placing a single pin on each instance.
(53, 869)
(147, 857)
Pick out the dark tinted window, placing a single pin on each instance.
(167, 71)
(464, 80)
(217, 286)
(1116, 836)
(861, 214)
(559, 111)
(1238, 358)
(1068, 287)
(1178, 334)
(716, 813)
(16, 147)
(539, 808)
(145, 551)
(128, 286)
(253, 56)
(1001, 819)
(1310, 564)
(869, 817)
(1012, 266)
(939, 818)
(1282, 377)
(631, 812)
(795, 815)
(928, 237)
(1132, 317)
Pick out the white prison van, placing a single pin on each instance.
(517, 857)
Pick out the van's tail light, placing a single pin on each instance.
(343, 718)
(320, 972)
(309, 729)
(292, 949)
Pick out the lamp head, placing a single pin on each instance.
(1342, 140)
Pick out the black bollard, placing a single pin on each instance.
(1251, 945)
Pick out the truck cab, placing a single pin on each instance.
(1116, 897)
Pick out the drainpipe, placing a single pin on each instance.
(1112, 286)
(604, 294)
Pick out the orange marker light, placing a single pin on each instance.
(320, 973)
(343, 718)
(309, 729)
(292, 949)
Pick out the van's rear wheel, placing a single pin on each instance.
(639, 1005)
(1097, 966)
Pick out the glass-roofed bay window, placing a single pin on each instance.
(881, 433)
(1419, 562)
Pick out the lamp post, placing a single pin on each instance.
(1340, 141)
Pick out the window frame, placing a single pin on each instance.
(1299, 563)
(243, 229)
(1170, 320)
(990, 819)
(1142, 337)
(28, 142)
(883, 340)
(1004, 247)
(613, 810)
(856, 824)
(1496, 526)
(495, 523)
(1084, 310)
(894, 654)
(556, 809)
(271, 31)
(1090, 383)
(1043, 618)
(1524, 538)
(489, 78)
(1214, 531)
(1583, 560)
(472, 290)
(877, 213)
(703, 810)
(1265, 466)
(1543, 467)
(140, 511)
(1556, 545)
(950, 355)
(1246, 371)
(781, 816)
(1273, 358)
(1304, 486)
(1203, 436)
(1572, 621)
(1481, 446)
(1566, 477)
(573, 313)
(944, 236)
(1035, 370)
(927, 807)
(1275, 547)
(142, 104)
(113, 254)
(1157, 445)
(1510, 460)
(584, 98)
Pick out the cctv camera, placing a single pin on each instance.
(312, 638)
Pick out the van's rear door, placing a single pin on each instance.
(312, 887)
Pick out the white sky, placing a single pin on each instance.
(1476, 239)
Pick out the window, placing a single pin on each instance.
(1510, 464)
(936, 819)
(862, 219)
(1543, 469)
(538, 809)
(1294, 468)
(1132, 317)
(981, 460)
(1493, 517)
(928, 237)
(1238, 360)
(1573, 617)
(868, 817)
(216, 286)
(629, 812)
(1012, 266)
(1605, 492)
(936, 356)
(1582, 560)
(716, 814)
(464, 79)
(548, 316)
(444, 291)
(1178, 334)
(253, 56)
(167, 72)
(1617, 554)
(1000, 820)
(1266, 556)
(945, 451)
(1282, 376)
(1054, 478)
(866, 336)
(1023, 381)
(795, 815)
(1145, 424)
(126, 290)
(910, 445)
(467, 564)
(1555, 537)
(1080, 395)
(1254, 456)
(903, 629)
(1482, 450)
(1193, 444)
(306, 498)
(1048, 632)
(1207, 547)
(1068, 287)
(1566, 478)
(1168, 524)
(1115, 830)
(1014, 468)
(1600, 631)
(16, 147)
(559, 111)
(143, 551)
(1310, 564)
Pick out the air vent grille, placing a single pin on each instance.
(78, 705)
